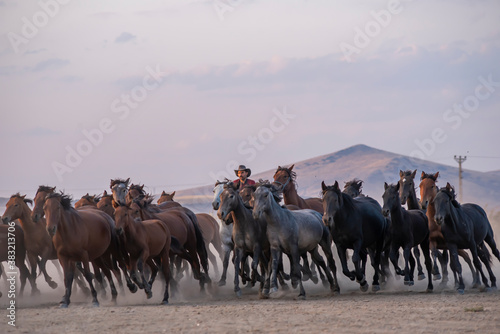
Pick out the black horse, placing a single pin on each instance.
(465, 227)
(408, 229)
(355, 224)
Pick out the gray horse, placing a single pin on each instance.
(294, 233)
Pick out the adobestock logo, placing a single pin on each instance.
(31, 27)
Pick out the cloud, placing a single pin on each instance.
(31, 52)
(125, 37)
(53, 63)
(40, 132)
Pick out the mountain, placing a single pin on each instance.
(374, 167)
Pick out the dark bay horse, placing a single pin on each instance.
(249, 236)
(353, 188)
(36, 239)
(465, 226)
(428, 191)
(41, 195)
(181, 226)
(408, 196)
(408, 229)
(80, 236)
(293, 233)
(355, 224)
(145, 241)
(106, 204)
(286, 179)
(12, 242)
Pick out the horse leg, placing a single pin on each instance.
(394, 256)
(475, 275)
(79, 279)
(420, 273)
(275, 254)
(320, 263)
(356, 259)
(153, 265)
(104, 263)
(408, 257)
(296, 275)
(165, 265)
(225, 264)
(33, 261)
(456, 267)
(428, 263)
(477, 263)
(140, 268)
(238, 252)
(212, 258)
(99, 279)
(341, 251)
(69, 271)
(48, 279)
(485, 256)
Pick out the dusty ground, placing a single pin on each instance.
(397, 309)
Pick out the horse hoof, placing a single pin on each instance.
(375, 288)
(95, 304)
(165, 302)
(460, 291)
(35, 292)
(221, 283)
(238, 293)
(364, 288)
(264, 295)
(301, 297)
(436, 277)
(305, 277)
(421, 277)
(273, 290)
(314, 279)
(149, 294)
(63, 305)
(429, 290)
(132, 288)
(476, 285)
(52, 284)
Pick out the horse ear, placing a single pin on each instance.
(413, 174)
(22, 197)
(291, 167)
(422, 176)
(127, 181)
(436, 175)
(173, 194)
(105, 193)
(448, 186)
(336, 185)
(386, 186)
(323, 185)
(401, 173)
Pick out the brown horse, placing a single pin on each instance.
(80, 236)
(428, 191)
(37, 240)
(166, 197)
(211, 235)
(145, 241)
(106, 204)
(286, 179)
(181, 227)
(12, 241)
(39, 200)
(87, 200)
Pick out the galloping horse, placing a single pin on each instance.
(41, 195)
(353, 188)
(286, 179)
(145, 241)
(293, 233)
(36, 239)
(88, 200)
(355, 224)
(428, 191)
(80, 236)
(7, 235)
(409, 228)
(465, 227)
(249, 236)
(408, 196)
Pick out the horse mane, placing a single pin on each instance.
(65, 199)
(226, 180)
(118, 181)
(46, 189)
(356, 183)
(407, 173)
(137, 187)
(275, 191)
(428, 176)
(92, 198)
(144, 202)
(26, 200)
(346, 201)
(230, 185)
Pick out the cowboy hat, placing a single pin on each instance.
(243, 167)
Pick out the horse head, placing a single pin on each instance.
(391, 198)
(246, 194)
(263, 199)
(166, 197)
(106, 204)
(125, 215)
(55, 204)
(39, 200)
(444, 203)
(218, 188)
(229, 200)
(332, 202)
(15, 207)
(283, 176)
(428, 189)
(353, 188)
(406, 184)
(119, 188)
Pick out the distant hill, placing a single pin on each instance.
(374, 167)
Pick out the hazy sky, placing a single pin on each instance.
(173, 93)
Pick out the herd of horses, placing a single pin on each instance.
(123, 235)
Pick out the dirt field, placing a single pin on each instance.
(396, 309)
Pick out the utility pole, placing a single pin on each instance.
(460, 159)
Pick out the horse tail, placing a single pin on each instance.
(200, 242)
(486, 253)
